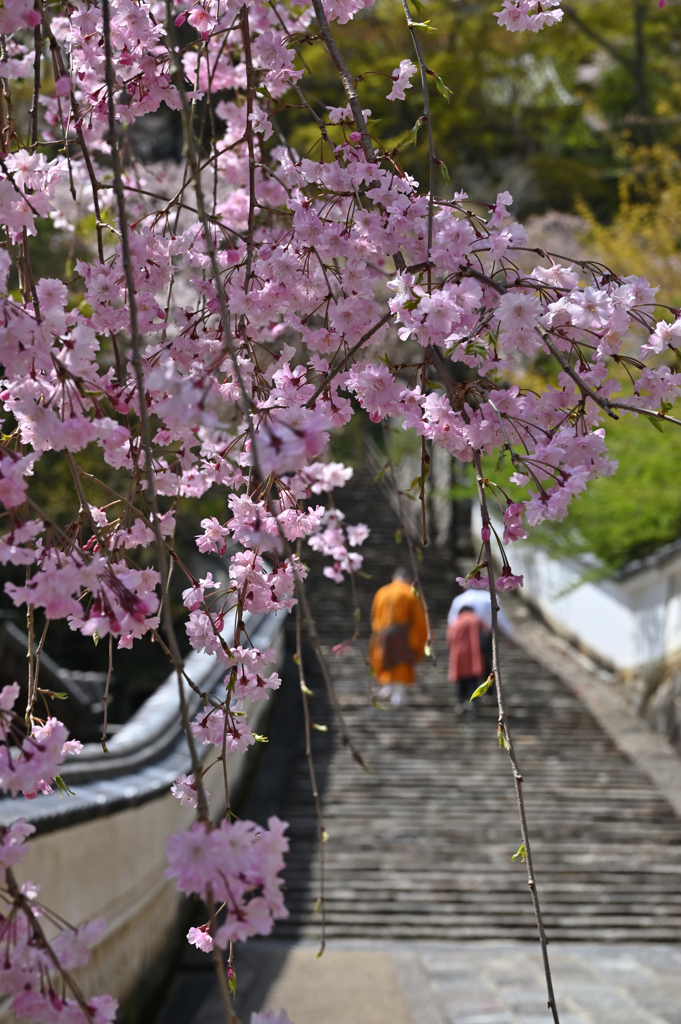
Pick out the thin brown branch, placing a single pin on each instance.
(585, 390)
(505, 733)
(423, 71)
(346, 738)
(347, 79)
(145, 428)
(41, 941)
(313, 779)
(105, 698)
(345, 361)
(248, 60)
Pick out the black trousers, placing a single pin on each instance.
(467, 687)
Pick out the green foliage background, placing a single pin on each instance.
(551, 116)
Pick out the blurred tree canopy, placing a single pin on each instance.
(644, 236)
(552, 117)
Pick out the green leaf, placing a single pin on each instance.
(260, 739)
(232, 983)
(503, 742)
(474, 570)
(320, 728)
(427, 650)
(306, 690)
(443, 89)
(412, 303)
(413, 132)
(398, 536)
(418, 5)
(655, 422)
(484, 687)
(445, 172)
(475, 347)
(520, 852)
(62, 787)
(95, 637)
(58, 695)
(424, 25)
(318, 905)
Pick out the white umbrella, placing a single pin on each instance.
(479, 601)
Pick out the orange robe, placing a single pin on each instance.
(397, 605)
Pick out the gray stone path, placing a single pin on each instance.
(594, 984)
(449, 983)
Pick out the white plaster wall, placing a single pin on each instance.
(112, 866)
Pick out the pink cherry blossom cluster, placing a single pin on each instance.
(333, 539)
(230, 318)
(521, 15)
(29, 764)
(402, 80)
(26, 968)
(237, 865)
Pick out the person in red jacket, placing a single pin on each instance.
(467, 637)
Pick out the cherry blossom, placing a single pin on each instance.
(12, 847)
(507, 581)
(184, 789)
(201, 938)
(235, 861)
(513, 527)
(521, 15)
(401, 79)
(233, 319)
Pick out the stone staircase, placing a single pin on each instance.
(420, 846)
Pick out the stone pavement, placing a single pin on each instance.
(450, 983)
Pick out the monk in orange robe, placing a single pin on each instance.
(399, 635)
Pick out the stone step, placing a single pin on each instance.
(420, 846)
